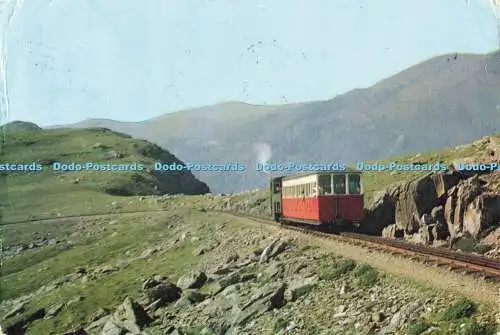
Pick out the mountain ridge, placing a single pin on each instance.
(441, 102)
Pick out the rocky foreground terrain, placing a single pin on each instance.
(186, 271)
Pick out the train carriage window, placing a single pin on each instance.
(324, 185)
(314, 191)
(354, 184)
(339, 184)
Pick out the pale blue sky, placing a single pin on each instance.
(133, 60)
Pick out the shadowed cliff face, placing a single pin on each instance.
(442, 102)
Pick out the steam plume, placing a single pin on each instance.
(263, 151)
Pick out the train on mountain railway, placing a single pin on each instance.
(329, 201)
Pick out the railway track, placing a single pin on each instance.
(478, 266)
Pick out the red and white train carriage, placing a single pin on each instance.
(323, 198)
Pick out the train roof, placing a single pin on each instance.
(300, 175)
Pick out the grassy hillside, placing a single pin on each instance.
(30, 195)
(441, 102)
(17, 126)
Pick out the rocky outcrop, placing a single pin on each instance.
(420, 196)
(459, 197)
(482, 212)
(436, 207)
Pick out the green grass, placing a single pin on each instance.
(417, 328)
(366, 276)
(470, 244)
(464, 308)
(279, 324)
(474, 328)
(29, 271)
(46, 193)
(336, 270)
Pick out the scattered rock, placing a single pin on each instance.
(129, 316)
(148, 253)
(194, 296)
(54, 310)
(18, 309)
(400, 317)
(166, 292)
(300, 287)
(21, 325)
(74, 300)
(105, 269)
(192, 280)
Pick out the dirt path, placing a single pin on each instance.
(475, 289)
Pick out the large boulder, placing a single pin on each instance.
(404, 204)
(381, 212)
(416, 198)
(482, 212)
(459, 198)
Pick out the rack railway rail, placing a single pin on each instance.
(479, 266)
